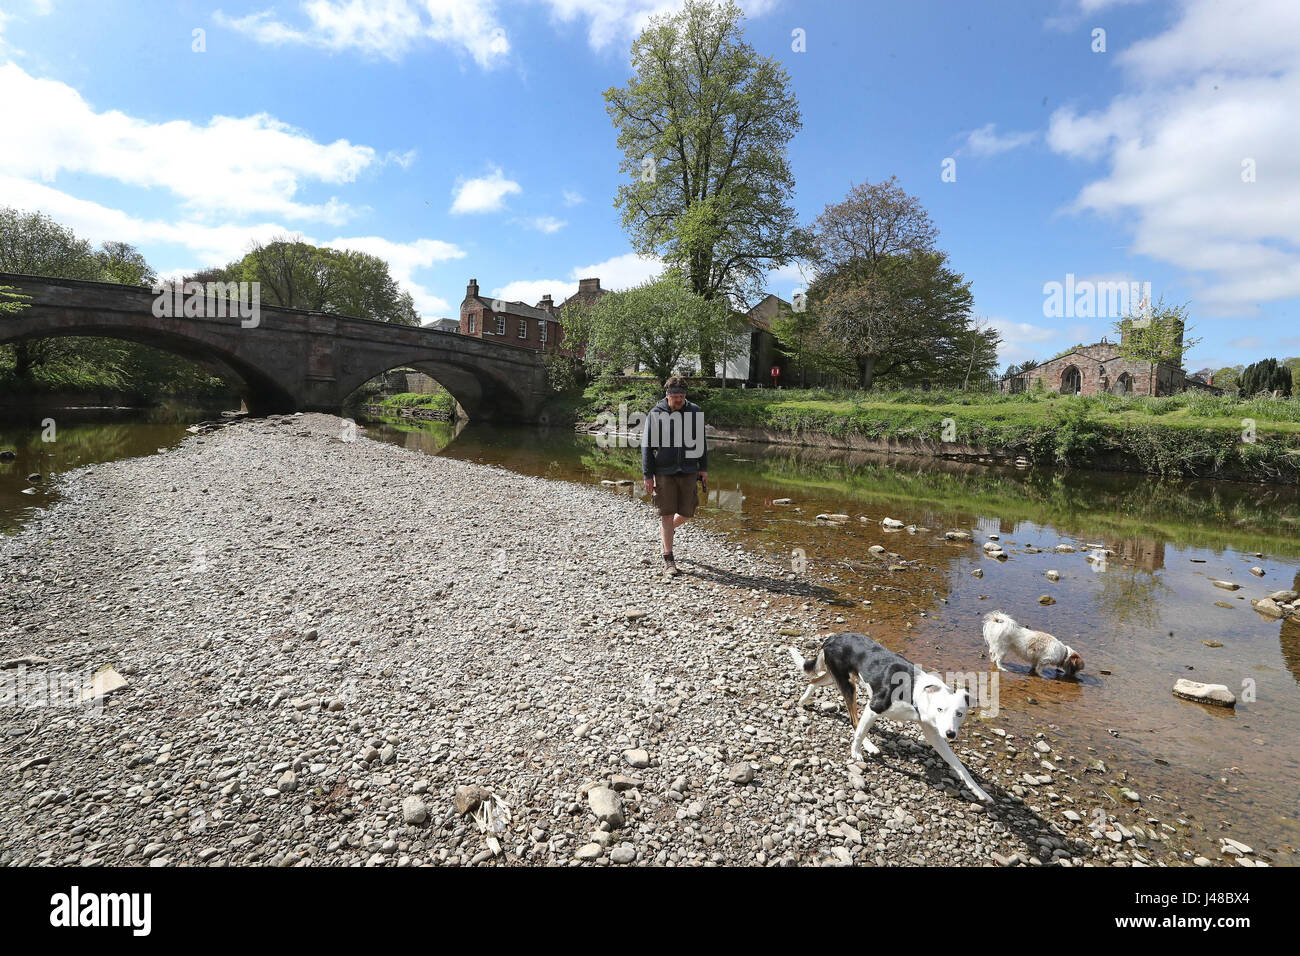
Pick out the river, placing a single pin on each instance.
(1143, 617)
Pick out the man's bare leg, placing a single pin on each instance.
(667, 524)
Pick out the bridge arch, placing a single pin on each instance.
(481, 392)
(260, 392)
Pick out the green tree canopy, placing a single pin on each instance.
(656, 324)
(703, 125)
(298, 275)
(902, 317)
(1268, 375)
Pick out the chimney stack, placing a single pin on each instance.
(588, 285)
(471, 290)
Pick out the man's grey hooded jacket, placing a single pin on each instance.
(672, 442)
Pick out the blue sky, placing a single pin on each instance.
(469, 139)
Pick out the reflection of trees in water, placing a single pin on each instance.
(1088, 503)
(1289, 638)
(1131, 595)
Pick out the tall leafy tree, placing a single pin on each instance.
(873, 223)
(977, 345)
(901, 317)
(656, 324)
(703, 124)
(802, 340)
(34, 244)
(1268, 375)
(123, 263)
(298, 275)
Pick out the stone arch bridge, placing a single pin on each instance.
(290, 360)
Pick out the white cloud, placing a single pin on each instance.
(61, 132)
(1022, 332)
(386, 28)
(1074, 13)
(621, 272)
(985, 141)
(484, 194)
(619, 21)
(532, 290)
(1213, 98)
(546, 224)
(209, 245)
(401, 159)
(572, 197)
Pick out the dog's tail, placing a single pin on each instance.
(997, 617)
(807, 664)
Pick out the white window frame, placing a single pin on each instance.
(541, 324)
(471, 323)
(501, 325)
(523, 328)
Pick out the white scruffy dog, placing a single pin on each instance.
(1040, 649)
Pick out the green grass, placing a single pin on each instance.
(442, 401)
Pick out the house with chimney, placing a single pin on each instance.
(517, 323)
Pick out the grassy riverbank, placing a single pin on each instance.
(1190, 434)
(438, 401)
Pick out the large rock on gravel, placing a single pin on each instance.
(606, 805)
(741, 773)
(1216, 694)
(469, 798)
(637, 758)
(414, 811)
(106, 681)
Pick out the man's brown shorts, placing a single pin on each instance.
(676, 494)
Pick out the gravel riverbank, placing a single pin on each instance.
(330, 644)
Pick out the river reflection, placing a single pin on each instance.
(50, 442)
(1135, 593)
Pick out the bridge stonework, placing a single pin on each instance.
(291, 360)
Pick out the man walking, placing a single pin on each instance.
(673, 457)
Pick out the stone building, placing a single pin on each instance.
(1094, 369)
(517, 323)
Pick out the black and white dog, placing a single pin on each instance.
(896, 689)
